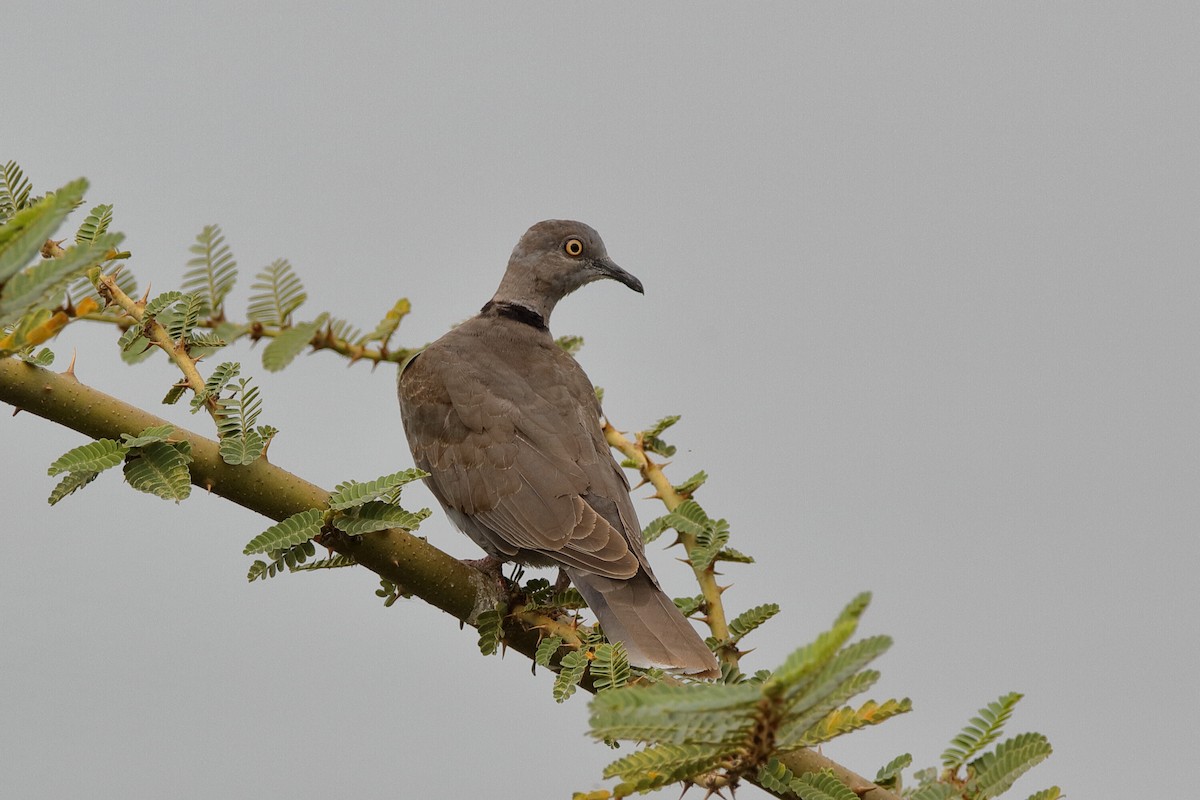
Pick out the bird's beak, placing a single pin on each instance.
(609, 269)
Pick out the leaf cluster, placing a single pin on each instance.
(708, 538)
(152, 464)
(971, 771)
(32, 288)
(737, 726)
(355, 508)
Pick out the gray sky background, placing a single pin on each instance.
(920, 277)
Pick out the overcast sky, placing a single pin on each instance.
(920, 277)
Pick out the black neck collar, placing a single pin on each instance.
(515, 311)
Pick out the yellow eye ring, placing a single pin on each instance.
(573, 247)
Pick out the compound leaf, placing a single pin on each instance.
(211, 274)
(94, 456)
(981, 731)
(296, 529)
(353, 493)
(378, 516)
(95, 225)
(161, 469)
(277, 292)
(284, 348)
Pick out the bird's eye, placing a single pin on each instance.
(574, 247)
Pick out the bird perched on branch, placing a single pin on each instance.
(508, 427)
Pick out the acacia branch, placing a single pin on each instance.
(395, 555)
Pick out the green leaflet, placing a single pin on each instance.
(775, 777)
(729, 554)
(161, 469)
(540, 594)
(82, 287)
(218, 379)
(284, 348)
(131, 336)
(134, 346)
(353, 493)
(95, 225)
(805, 718)
(491, 628)
(70, 483)
(845, 663)
(243, 448)
(689, 605)
(688, 517)
(673, 714)
(1053, 793)
(805, 661)
(241, 442)
(26, 230)
(43, 358)
(709, 543)
(889, 775)
(182, 317)
(390, 592)
(994, 773)
(823, 785)
(377, 516)
(342, 329)
(651, 438)
(854, 609)
(288, 559)
(655, 528)
(161, 303)
(276, 293)
(981, 731)
(661, 765)
(388, 325)
(211, 274)
(750, 619)
(688, 487)
(571, 670)
(610, 667)
(546, 650)
(14, 190)
(844, 720)
(157, 433)
(94, 456)
(296, 529)
(204, 340)
(936, 791)
(335, 561)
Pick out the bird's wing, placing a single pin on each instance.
(516, 449)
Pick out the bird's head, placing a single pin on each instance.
(554, 258)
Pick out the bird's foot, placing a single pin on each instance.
(562, 583)
(491, 567)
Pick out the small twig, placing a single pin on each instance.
(156, 333)
(653, 474)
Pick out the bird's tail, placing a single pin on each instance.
(638, 614)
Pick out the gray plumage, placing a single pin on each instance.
(508, 426)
